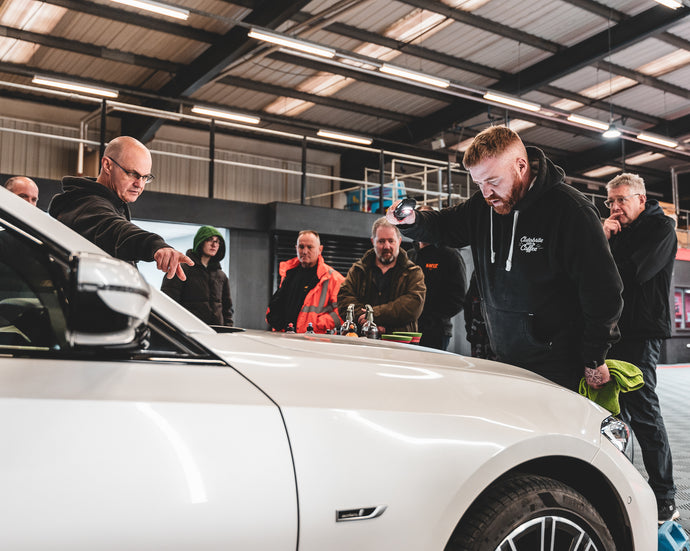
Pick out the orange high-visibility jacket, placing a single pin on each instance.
(320, 304)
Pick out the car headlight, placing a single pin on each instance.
(617, 432)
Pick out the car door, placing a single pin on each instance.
(163, 447)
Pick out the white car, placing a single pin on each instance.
(128, 424)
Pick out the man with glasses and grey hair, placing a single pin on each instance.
(97, 208)
(643, 243)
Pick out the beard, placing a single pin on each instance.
(386, 260)
(508, 202)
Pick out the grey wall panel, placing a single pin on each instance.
(250, 258)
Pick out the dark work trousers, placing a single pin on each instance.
(434, 339)
(641, 410)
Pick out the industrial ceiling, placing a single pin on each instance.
(410, 75)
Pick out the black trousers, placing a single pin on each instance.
(641, 410)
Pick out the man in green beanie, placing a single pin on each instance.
(206, 292)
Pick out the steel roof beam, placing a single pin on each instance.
(328, 101)
(233, 45)
(90, 49)
(590, 50)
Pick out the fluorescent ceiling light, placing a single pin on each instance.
(602, 171)
(413, 75)
(217, 114)
(612, 132)
(657, 140)
(644, 158)
(156, 7)
(673, 4)
(588, 122)
(515, 102)
(344, 137)
(292, 43)
(75, 86)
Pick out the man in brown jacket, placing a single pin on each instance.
(385, 278)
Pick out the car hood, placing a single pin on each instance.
(354, 373)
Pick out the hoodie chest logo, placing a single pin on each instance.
(531, 244)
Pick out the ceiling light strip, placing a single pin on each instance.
(156, 7)
(586, 121)
(344, 137)
(514, 102)
(291, 43)
(659, 140)
(673, 4)
(75, 86)
(413, 75)
(217, 113)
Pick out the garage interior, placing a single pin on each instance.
(266, 117)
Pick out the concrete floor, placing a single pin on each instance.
(673, 388)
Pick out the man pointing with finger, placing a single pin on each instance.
(98, 208)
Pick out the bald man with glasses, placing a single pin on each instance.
(97, 208)
(643, 244)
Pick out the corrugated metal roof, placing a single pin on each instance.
(529, 49)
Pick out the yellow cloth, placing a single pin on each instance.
(625, 377)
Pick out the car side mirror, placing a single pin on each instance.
(109, 303)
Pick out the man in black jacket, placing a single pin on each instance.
(98, 208)
(643, 243)
(444, 277)
(551, 293)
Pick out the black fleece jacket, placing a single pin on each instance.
(550, 288)
(206, 292)
(444, 277)
(644, 253)
(97, 213)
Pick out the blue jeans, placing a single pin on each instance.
(641, 410)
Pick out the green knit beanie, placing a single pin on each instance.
(204, 233)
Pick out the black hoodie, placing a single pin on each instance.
(550, 288)
(645, 252)
(97, 213)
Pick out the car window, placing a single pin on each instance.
(34, 307)
(30, 303)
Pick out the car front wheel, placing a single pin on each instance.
(527, 512)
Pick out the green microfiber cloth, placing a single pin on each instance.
(625, 377)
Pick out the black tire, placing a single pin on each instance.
(526, 510)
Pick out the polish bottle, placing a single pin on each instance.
(370, 330)
(349, 319)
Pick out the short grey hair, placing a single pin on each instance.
(634, 181)
(309, 232)
(383, 223)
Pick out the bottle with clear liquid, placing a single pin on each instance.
(370, 330)
(349, 320)
(310, 328)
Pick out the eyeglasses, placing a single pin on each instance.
(213, 240)
(618, 200)
(147, 178)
